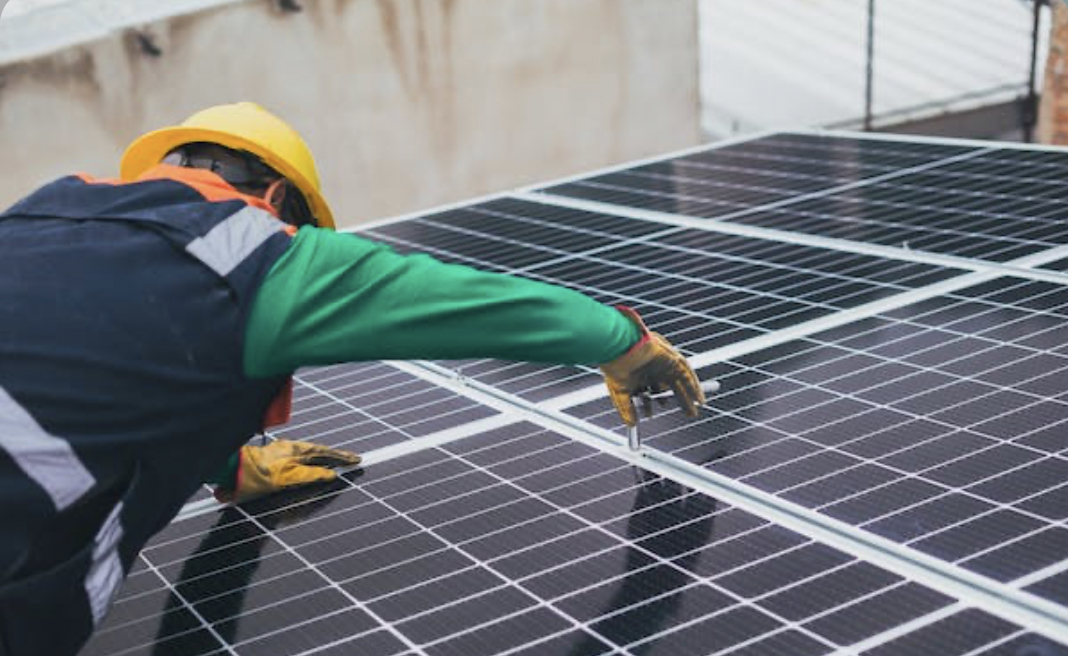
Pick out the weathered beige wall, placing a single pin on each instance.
(406, 103)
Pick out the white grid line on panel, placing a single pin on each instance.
(543, 572)
(1044, 573)
(996, 598)
(955, 378)
(977, 213)
(538, 602)
(712, 257)
(621, 542)
(189, 607)
(888, 137)
(161, 563)
(900, 631)
(863, 184)
(341, 641)
(534, 545)
(902, 475)
(834, 189)
(720, 226)
(368, 371)
(797, 220)
(530, 222)
(804, 329)
(841, 318)
(1040, 455)
(985, 649)
(588, 289)
(370, 458)
(724, 286)
(304, 408)
(353, 601)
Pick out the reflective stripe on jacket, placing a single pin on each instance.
(122, 316)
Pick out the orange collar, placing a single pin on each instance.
(209, 184)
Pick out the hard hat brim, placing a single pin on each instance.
(150, 149)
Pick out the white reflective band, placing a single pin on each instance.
(105, 571)
(229, 243)
(48, 460)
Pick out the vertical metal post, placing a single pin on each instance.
(634, 441)
(868, 80)
(1029, 108)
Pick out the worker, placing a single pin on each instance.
(150, 325)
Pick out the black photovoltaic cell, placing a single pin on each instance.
(725, 180)
(942, 425)
(701, 290)
(366, 406)
(989, 205)
(513, 539)
(972, 633)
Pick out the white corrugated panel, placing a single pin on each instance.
(775, 63)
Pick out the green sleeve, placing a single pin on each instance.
(335, 297)
(226, 477)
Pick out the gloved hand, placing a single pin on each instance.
(652, 365)
(283, 464)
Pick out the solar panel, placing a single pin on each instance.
(369, 406)
(468, 549)
(940, 425)
(885, 471)
(736, 179)
(972, 202)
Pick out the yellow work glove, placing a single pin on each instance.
(283, 464)
(650, 366)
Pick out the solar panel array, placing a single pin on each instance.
(885, 471)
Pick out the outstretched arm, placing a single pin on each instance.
(335, 297)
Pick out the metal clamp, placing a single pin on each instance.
(634, 440)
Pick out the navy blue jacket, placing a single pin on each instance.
(122, 314)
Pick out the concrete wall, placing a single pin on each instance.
(406, 103)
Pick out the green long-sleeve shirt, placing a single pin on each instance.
(335, 297)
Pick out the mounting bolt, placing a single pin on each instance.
(634, 441)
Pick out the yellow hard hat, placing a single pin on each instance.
(241, 126)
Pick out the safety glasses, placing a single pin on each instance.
(238, 169)
(246, 173)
